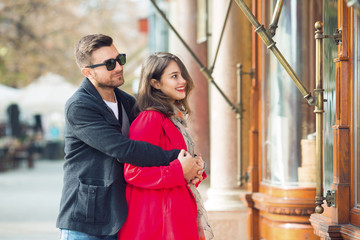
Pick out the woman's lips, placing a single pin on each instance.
(180, 89)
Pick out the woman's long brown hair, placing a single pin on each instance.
(152, 98)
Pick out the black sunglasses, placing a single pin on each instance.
(111, 63)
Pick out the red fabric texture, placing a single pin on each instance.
(161, 205)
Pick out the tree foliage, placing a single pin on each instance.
(37, 36)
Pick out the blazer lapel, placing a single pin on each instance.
(108, 113)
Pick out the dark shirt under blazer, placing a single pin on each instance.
(93, 197)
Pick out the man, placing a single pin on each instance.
(98, 116)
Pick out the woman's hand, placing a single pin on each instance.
(192, 167)
(201, 163)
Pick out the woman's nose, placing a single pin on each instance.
(182, 80)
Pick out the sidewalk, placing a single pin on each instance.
(30, 198)
(29, 201)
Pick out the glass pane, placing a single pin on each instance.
(330, 53)
(286, 116)
(357, 109)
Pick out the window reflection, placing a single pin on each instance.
(286, 117)
(330, 53)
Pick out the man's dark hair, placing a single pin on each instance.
(87, 44)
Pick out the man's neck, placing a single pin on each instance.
(107, 94)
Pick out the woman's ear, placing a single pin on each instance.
(155, 83)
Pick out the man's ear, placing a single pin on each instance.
(87, 72)
(155, 84)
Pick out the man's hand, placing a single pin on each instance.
(192, 167)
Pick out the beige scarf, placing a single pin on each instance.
(205, 231)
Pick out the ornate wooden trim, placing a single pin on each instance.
(278, 217)
(284, 206)
(289, 211)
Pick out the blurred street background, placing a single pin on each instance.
(38, 74)
(29, 201)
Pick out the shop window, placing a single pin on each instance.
(287, 121)
(330, 53)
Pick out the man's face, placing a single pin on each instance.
(101, 77)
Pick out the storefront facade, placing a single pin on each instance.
(282, 165)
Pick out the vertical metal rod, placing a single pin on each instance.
(274, 22)
(221, 36)
(239, 117)
(203, 69)
(260, 30)
(319, 111)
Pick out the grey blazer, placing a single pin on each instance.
(93, 197)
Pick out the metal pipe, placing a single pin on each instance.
(274, 22)
(319, 111)
(239, 117)
(221, 35)
(260, 30)
(203, 69)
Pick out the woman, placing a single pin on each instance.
(161, 204)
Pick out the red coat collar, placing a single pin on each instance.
(174, 134)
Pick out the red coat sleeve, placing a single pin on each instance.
(147, 127)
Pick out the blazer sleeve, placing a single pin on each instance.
(88, 124)
(147, 127)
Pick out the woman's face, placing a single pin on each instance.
(172, 84)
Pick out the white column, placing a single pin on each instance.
(224, 192)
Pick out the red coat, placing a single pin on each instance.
(161, 205)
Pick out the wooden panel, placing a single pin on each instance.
(253, 169)
(341, 182)
(354, 213)
(355, 217)
(284, 230)
(252, 218)
(327, 230)
(342, 172)
(253, 232)
(284, 212)
(324, 228)
(288, 192)
(349, 232)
